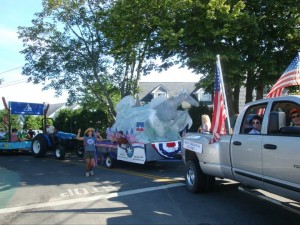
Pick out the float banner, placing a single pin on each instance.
(25, 108)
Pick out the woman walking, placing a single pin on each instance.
(89, 139)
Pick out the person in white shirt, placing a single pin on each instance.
(256, 123)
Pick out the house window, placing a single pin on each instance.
(158, 94)
(161, 94)
(204, 97)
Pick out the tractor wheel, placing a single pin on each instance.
(39, 146)
(60, 152)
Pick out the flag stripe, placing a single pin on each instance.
(290, 77)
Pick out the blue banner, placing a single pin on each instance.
(26, 108)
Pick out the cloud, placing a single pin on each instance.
(10, 47)
(9, 39)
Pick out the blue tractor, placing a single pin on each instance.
(48, 140)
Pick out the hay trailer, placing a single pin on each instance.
(43, 142)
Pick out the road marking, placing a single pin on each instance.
(153, 177)
(85, 191)
(87, 199)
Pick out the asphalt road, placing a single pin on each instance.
(49, 191)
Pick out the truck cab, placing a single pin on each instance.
(268, 160)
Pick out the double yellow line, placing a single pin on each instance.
(157, 179)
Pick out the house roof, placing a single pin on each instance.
(172, 88)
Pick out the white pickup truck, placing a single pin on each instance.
(268, 161)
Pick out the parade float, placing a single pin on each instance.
(151, 132)
(49, 140)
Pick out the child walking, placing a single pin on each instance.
(89, 139)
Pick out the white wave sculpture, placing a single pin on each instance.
(159, 120)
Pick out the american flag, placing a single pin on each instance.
(290, 77)
(218, 121)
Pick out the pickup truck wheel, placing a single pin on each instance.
(39, 146)
(60, 152)
(196, 180)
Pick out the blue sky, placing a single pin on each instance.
(14, 13)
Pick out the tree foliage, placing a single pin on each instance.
(33, 122)
(69, 120)
(99, 49)
(66, 50)
(5, 119)
(255, 39)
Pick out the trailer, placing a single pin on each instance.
(40, 144)
(151, 131)
(139, 153)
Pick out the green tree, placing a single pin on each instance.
(191, 33)
(137, 30)
(65, 48)
(32, 122)
(12, 120)
(69, 120)
(251, 37)
(63, 120)
(98, 50)
(4, 119)
(273, 42)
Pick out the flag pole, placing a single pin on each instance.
(224, 93)
(299, 66)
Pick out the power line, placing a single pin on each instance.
(10, 70)
(13, 83)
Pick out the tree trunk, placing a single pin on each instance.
(229, 99)
(249, 86)
(249, 96)
(236, 99)
(259, 91)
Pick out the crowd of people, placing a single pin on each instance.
(16, 135)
